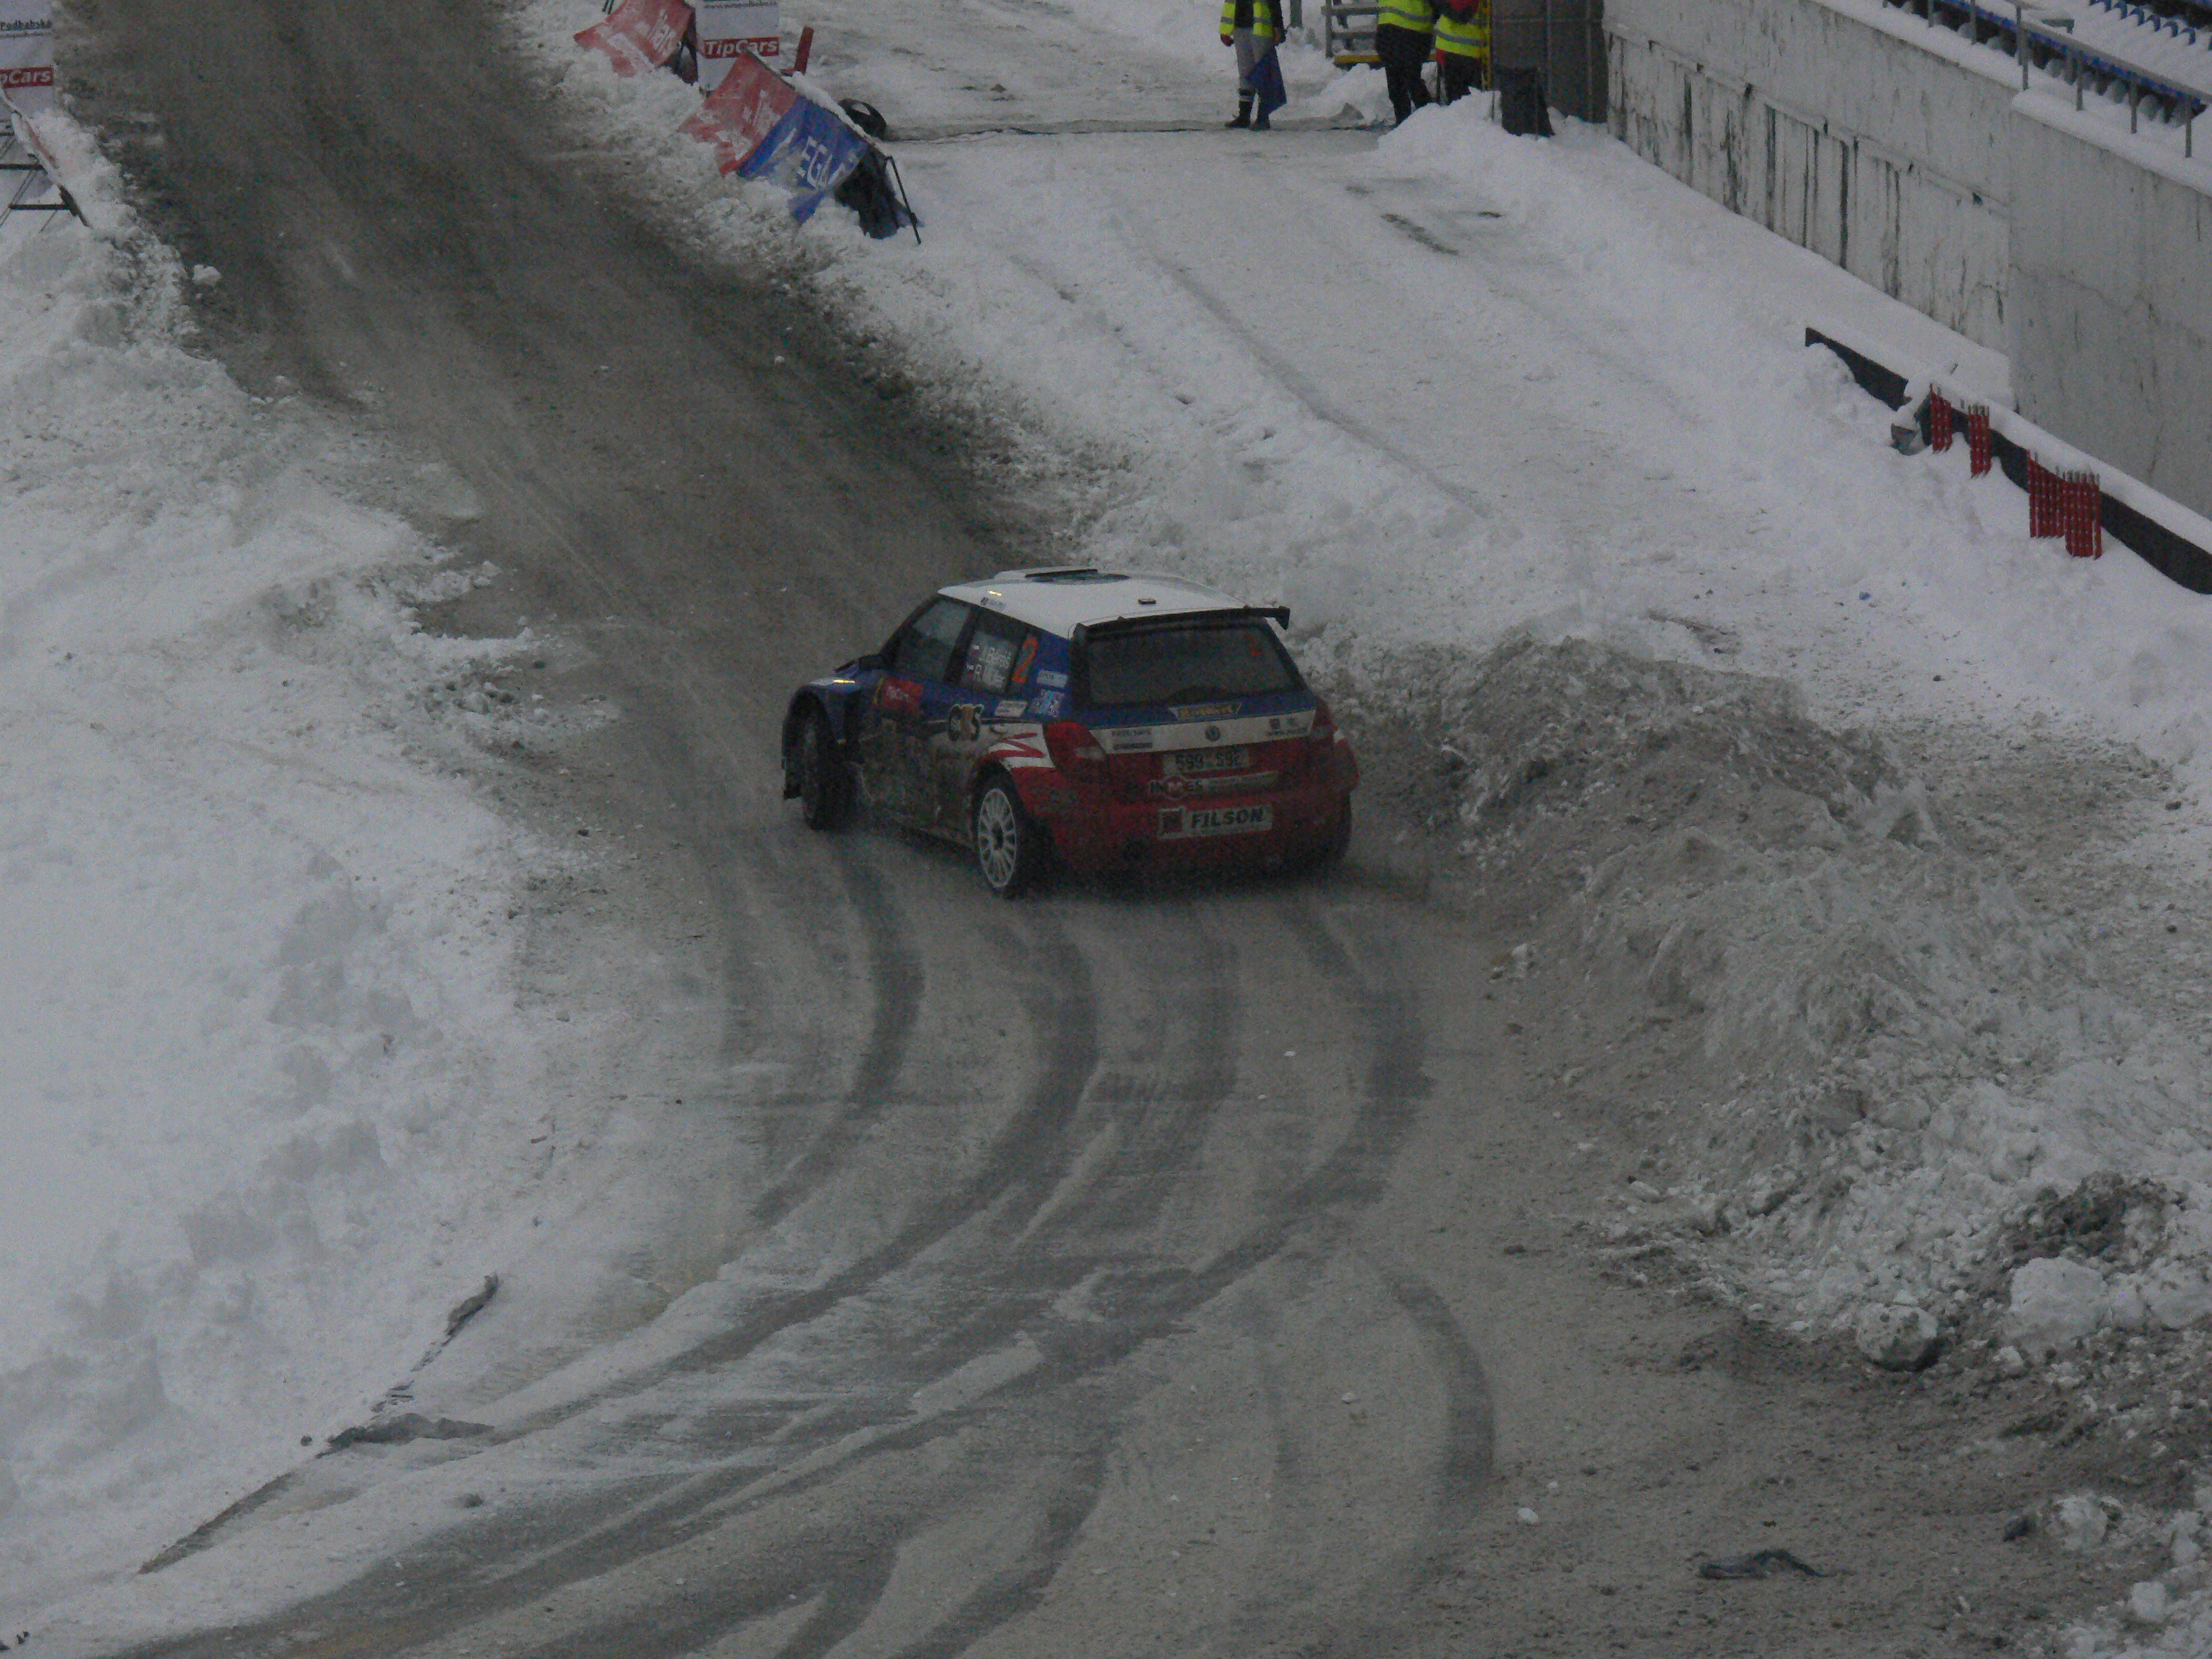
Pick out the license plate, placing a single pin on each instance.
(1186, 761)
(1215, 820)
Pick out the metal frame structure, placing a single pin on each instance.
(18, 157)
(2040, 43)
(1346, 41)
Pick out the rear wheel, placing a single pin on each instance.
(825, 787)
(1009, 848)
(1330, 853)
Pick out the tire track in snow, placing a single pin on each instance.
(896, 982)
(1017, 1591)
(1138, 1308)
(1308, 393)
(1028, 1162)
(1024, 1162)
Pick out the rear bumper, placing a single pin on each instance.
(1091, 836)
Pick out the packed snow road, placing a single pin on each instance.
(967, 1197)
(1182, 1271)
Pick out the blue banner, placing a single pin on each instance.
(1267, 82)
(809, 152)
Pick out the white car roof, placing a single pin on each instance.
(1061, 598)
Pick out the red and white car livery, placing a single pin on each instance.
(1103, 719)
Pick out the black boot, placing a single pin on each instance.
(1243, 114)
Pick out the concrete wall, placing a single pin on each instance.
(1912, 159)
(2112, 285)
(1833, 132)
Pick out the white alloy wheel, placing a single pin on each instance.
(1004, 847)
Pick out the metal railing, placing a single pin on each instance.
(1562, 42)
(2040, 44)
(1347, 31)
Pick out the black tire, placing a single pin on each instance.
(1009, 848)
(1330, 853)
(825, 787)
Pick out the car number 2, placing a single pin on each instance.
(1215, 820)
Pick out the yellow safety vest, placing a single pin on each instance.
(1263, 19)
(1419, 15)
(1468, 40)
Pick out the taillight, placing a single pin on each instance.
(1323, 749)
(1075, 752)
(1323, 732)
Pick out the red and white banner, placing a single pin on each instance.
(638, 35)
(745, 107)
(27, 53)
(728, 27)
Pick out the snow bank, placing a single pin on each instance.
(1888, 1040)
(266, 1070)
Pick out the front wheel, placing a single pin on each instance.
(1009, 848)
(825, 787)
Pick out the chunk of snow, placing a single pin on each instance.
(2054, 1303)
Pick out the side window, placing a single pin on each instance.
(991, 650)
(922, 650)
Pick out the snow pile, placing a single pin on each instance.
(2168, 1617)
(1893, 1048)
(265, 1067)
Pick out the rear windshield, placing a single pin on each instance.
(1187, 662)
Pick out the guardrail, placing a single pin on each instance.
(2070, 494)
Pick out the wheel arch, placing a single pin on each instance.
(990, 768)
(979, 776)
(809, 704)
(835, 707)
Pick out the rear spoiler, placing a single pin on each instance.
(1278, 614)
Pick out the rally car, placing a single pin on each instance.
(1102, 720)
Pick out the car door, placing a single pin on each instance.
(975, 707)
(913, 693)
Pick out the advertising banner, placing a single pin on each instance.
(638, 35)
(27, 53)
(728, 28)
(809, 153)
(762, 127)
(741, 111)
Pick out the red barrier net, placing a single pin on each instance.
(2042, 491)
(2082, 514)
(1939, 422)
(640, 35)
(1978, 439)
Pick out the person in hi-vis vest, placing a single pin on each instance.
(1250, 27)
(1462, 48)
(1403, 29)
